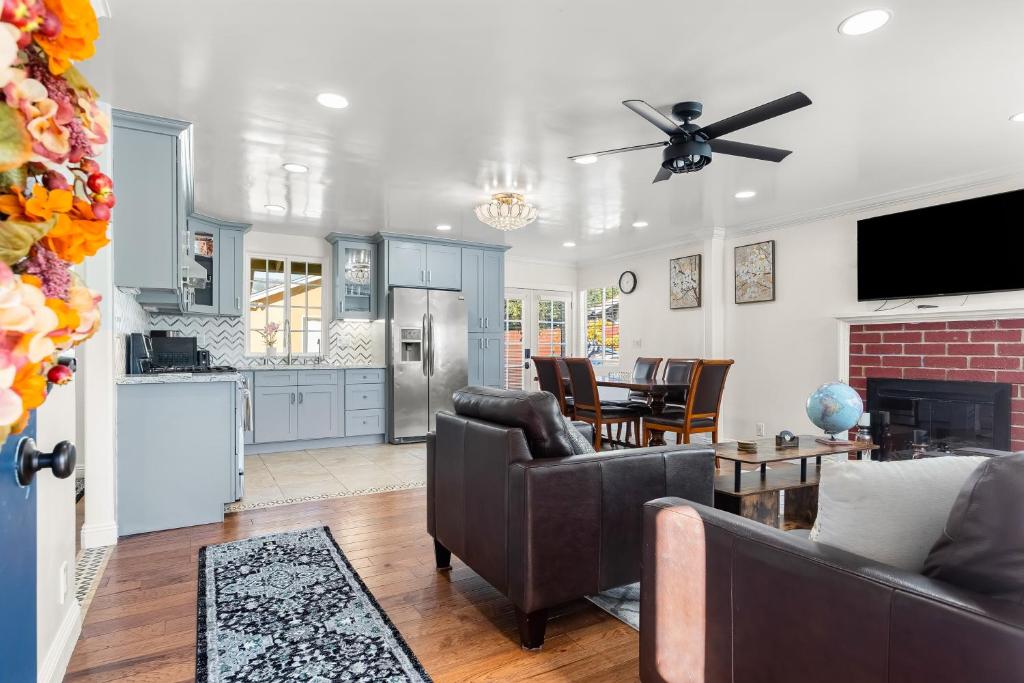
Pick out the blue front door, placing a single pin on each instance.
(17, 566)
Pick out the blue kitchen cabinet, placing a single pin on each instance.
(486, 361)
(407, 264)
(217, 249)
(475, 360)
(492, 286)
(444, 266)
(355, 277)
(276, 414)
(231, 271)
(318, 411)
(472, 278)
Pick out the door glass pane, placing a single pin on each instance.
(514, 377)
(356, 280)
(551, 327)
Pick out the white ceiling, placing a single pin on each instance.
(454, 99)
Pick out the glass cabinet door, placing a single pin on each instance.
(355, 298)
(204, 247)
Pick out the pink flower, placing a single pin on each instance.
(49, 268)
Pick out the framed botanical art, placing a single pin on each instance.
(684, 282)
(755, 272)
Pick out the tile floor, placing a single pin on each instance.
(295, 474)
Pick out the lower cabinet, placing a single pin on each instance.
(486, 360)
(276, 414)
(318, 412)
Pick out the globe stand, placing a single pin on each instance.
(831, 440)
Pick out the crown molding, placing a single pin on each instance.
(904, 196)
(695, 239)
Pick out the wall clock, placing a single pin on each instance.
(627, 282)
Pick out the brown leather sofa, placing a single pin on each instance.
(506, 494)
(724, 598)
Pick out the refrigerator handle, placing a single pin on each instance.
(425, 343)
(430, 333)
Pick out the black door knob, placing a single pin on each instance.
(30, 460)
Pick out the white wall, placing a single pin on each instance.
(532, 274)
(786, 348)
(57, 612)
(648, 326)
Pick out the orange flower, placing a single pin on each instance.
(68, 321)
(76, 234)
(39, 207)
(30, 385)
(78, 31)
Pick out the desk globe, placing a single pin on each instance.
(834, 408)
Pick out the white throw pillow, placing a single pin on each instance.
(890, 512)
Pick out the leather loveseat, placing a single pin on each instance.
(544, 526)
(725, 598)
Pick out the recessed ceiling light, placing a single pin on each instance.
(586, 159)
(1018, 118)
(444, 227)
(274, 208)
(640, 224)
(745, 194)
(332, 100)
(295, 168)
(865, 22)
(568, 244)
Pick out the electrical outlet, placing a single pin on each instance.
(759, 428)
(62, 582)
(638, 343)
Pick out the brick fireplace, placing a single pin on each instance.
(966, 350)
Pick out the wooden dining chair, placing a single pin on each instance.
(678, 370)
(589, 407)
(703, 405)
(550, 379)
(644, 370)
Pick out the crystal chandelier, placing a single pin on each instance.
(507, 211)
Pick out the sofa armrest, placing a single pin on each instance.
(575, 523)
(724, 595)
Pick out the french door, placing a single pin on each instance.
(537, 323)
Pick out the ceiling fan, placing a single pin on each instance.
(689, 147)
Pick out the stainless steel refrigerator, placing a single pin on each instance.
(427, 357)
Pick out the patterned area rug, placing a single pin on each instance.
(289, 606)
(623, 603)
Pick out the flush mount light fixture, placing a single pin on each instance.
(332, 100)
(295, 168)
(1018, 118)
(568, 244)
(865, 22)
(444, 227)
(507, 211)
(274, 208)
(745, 194)
(640, 224)
(586, 159)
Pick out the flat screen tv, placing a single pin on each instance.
(966, 247)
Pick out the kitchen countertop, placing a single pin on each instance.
(308, 366)
(179, 377)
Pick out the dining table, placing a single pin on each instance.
(656, 388)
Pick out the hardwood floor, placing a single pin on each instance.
(141, 625)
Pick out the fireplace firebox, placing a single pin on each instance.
(947, 415)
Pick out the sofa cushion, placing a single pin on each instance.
(580, 443)
(890, 512)
(535, 412)
(982, 546)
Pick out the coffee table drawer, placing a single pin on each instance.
(362, 422)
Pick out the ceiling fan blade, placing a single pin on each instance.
(663, 174)
(620, 149)
(742, 149)
(778, 107)
(664, 123)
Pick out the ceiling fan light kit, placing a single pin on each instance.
(690, 147)
(507, 211)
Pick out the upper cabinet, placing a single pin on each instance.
(424, 264)
(217, 249)
(153, 174)
(483, 283)
(355, 277)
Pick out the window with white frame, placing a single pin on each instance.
(602, 323)
(285, 296)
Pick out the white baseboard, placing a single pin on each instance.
(55, 664)
(99, 535)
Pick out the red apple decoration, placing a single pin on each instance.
(100, 182)
(59, 374)
(55, 180)
(89, 166)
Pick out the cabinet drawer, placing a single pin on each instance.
(361, 422)
(363, 396)
(374, 376)
(276, 378)
(308, 378)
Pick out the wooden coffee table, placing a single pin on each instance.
(754, 492)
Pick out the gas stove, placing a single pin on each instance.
(193, 369)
